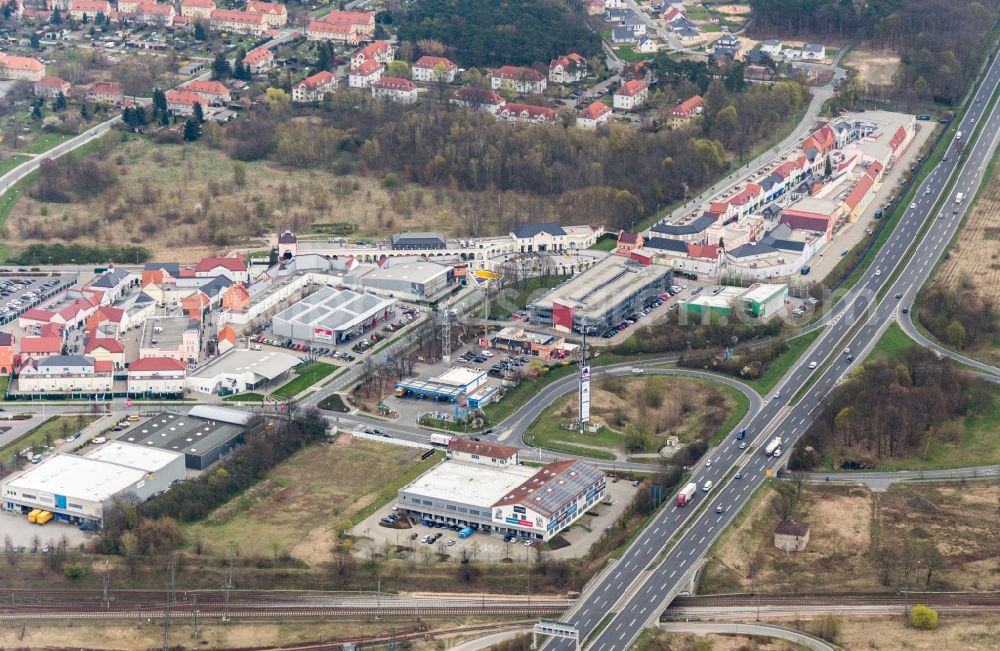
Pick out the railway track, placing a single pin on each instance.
(125, 604)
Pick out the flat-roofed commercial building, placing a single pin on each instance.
(601, 296)
(533, 503)
(331, 316)
(76, 489)
(450, 385)
(411, 281)
(237, 371)
(203, 436)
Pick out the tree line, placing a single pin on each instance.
(940, 42)
(891, 408)
(961, 320)
(516, 32)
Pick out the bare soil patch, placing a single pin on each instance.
(732, 10)
(875, 68)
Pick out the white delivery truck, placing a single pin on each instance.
(440, 439)
(772, 445)
(959, 197)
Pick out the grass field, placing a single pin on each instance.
(515, 398)
(307, 375)
(628, 54)
(892, 343)
(656, 406)
(780, 365)
(46, 141)
(12, 162)
(45, 433)
(605, 244)
(301, 505)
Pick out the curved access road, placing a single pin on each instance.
(757, 630)
(29, 166)
(911, 330)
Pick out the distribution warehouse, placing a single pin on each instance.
(331, 316)
(76, 489)
(204, 435)
(482, 486)
(606, 294)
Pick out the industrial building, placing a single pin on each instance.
(331, 316)
(203, 436)
(600, 297)
(238, 371)
(76, 489)
(450, 385)
(759, 301)
(410, 280)
(533, 503)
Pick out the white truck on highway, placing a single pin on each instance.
(772, 445)
(440, 439)
(959, 197)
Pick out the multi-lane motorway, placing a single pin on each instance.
(638, 587)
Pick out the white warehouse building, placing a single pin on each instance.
(332, 316)
(76, 489)
(532, 503)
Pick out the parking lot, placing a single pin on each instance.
(21, 293)
(407, 536)
(22, 533)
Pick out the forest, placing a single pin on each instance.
(516, 32)
(890, 408)
(612, 176)
(940, 42)
(964, 320)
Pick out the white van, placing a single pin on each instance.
(708, 486)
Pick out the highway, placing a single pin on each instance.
(636, 594)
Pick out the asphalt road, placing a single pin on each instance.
(797, 638)
(910, 328)
(637, 595)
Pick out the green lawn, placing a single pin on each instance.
(513, 298)
(4, 383)
(334, 403)
(308, 375)
(46, 141)
(893, 342)
(605, 244)
(54, 428)
(627, 53)
(515, 398)
(245, 397)
(780, 365)
(12, 162)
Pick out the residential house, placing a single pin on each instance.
(813, 52)
(522, 80)
(21, 68)
(365, 75)
(181, 102)
(594, 115)
(315, 87)
(153, 13)
(381, 51)
(196, 305)
(238, 22)
(631, 95)
(112, 350)
(640, 70)
(113, 283)
(635, 25)
(197, 8)
(476, 98)
(688, 35)
(670, 15)
(156, 377)
(791, 536)
(236, 268)
(628, 242)
(610, 5)
(542, 237)
(259, 60)
(622, 35)
(214, 92)
(771, 47)
(351, 27)
(274, 13)
(681, 114)
(646, 45)
(107, 92)
(567, 69)
(50, 87)
(618, 14)
(527, 113)
(39, 347)
(108, 321)
(86, 9)
(6, 353)
(236, 298)
(395, 89)
(226, 340)
(428, 69)
(65, 374)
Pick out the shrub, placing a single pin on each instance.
(74, 571)
(923, 617)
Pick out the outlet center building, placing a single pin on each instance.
(482, 489)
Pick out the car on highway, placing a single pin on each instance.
(720, 509)
(776, 396)
(812, 364)
(878, 272)
(638, 371)
(707, 486)
(905, 310)
(742, 434)
(708, 464)
(743, 445)
(898, 296)
(739, 475)
(913, 205)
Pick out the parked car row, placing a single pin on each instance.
(304, 348)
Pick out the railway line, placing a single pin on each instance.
(124, 604)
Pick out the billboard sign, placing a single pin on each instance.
(323, 333)
(584, 394)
